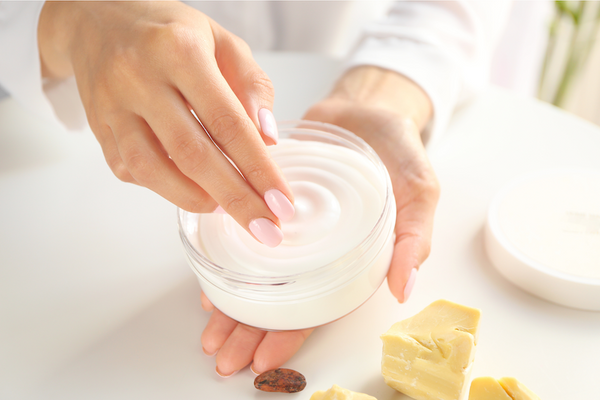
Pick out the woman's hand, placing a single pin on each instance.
(389, 111)
(140, 68)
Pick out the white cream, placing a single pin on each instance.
(338, 199)
(335, 251)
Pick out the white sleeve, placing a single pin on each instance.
(444, 46)
(20, 68)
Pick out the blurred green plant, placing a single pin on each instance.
(580, 20)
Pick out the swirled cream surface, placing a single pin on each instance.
(339, 197)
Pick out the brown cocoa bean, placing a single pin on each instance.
(280, 380)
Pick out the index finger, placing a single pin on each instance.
(234, 132)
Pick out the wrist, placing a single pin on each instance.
(56, 25)
(385, 90)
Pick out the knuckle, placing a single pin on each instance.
(255, 173)
(432, 186)
(140, 165)
(426, 249)
(199, 204)
(181, 43)
(250, 331)
(117, 166)
(236, 203)
(239, 43)
(124, 65)
(188, 155)
(262, 85)
(225, 126)
(426, 184)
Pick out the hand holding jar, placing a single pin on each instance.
(388, 111)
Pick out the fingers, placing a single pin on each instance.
(237, 345)
(233, 342)
(105, 137)
(238, 351)
(218, 329)
(277, 348)
(247, 80)
(405, 265)
(205, 302)
(196, 156)
(414, 226)
(233, 127)
(144, 158)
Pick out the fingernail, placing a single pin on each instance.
(253, 371)
(279, 204)
(225, 376)
(409, 284)
(268, 124)
(266, 232)
(207, 353)
(219, 210)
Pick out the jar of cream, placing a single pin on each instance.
(335, 252)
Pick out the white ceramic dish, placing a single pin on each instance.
(543, 235)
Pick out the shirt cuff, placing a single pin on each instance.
(20, 74)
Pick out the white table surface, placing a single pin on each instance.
(97, 302)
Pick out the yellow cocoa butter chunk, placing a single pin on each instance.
(338, 393)
(516, 390)
(429, 355)
(487, 388)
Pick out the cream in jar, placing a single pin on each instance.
(335, 251)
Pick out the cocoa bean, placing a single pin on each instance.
(280, 380)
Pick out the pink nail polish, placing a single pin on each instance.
(409, 284)
(225, 376)
(219, 210)
(266, 232)
(279, 204)
(268, 124)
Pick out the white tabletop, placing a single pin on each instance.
(97, 302)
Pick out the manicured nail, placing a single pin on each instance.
(253, 371)
(409, 284)
(207, 353)
(219, 210)
(279, 204)
(266, 232)
(223, 375)
(268, 124)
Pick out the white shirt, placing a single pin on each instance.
(449, 48)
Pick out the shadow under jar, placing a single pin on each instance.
(335, 253)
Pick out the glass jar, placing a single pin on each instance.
(336, 250)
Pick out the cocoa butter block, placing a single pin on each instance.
(338, 393)
(429, 355)
(487, 388)
(516, 390)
